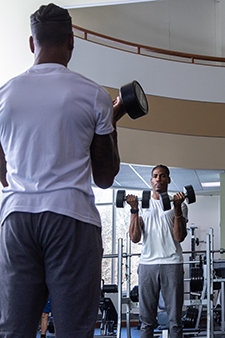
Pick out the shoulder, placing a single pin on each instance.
(99, 90)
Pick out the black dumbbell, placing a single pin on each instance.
(134, 99)
(166, 200)
(121, 198)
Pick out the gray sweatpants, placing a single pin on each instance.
(168, 278)
(49, 253)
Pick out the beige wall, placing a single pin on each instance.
(182, 151)
(178, 117)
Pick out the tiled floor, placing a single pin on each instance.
(135, 333)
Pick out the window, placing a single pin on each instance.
(115, 225)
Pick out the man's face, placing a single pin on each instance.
(160, 180)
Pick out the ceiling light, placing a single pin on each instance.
(210, 184)
(93, 3)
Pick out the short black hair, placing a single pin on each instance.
(51, 25)
(163, 167)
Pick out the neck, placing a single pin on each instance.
(51, 55)
(155, 195)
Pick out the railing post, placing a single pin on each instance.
(222, 307)
(120, 264)
(128, 265)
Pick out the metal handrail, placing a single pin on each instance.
(144, 50)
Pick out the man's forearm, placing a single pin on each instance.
(135, 229)
(179, 230)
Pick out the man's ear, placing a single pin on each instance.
(71, 42)
(31, 42)
(169, 180)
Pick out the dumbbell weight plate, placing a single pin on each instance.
(197, 279)
(134, 296)
(134, 99)
(120, 198)
(190, 317)
(165, 201)
(190, 194)
(145, 199)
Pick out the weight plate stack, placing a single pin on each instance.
(120, 198)
(190, 194)
(134, 99)
(145, 199)
(190, 317)
(165, 201)
(197, 279)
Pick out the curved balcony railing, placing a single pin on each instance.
(130, 47)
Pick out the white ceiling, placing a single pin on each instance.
(138, 177)
(134, 176)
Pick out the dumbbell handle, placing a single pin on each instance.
(138, 198)
(172, 198)
(121, 197)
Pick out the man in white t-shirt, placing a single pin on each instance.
(56, 129)
(161, 262)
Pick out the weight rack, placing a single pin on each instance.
(207, 289)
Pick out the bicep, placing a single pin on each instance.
(104, 164)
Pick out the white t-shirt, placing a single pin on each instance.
(48, 116)
(158, 243)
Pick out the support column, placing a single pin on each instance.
(222, 212)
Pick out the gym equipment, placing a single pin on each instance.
(134, 296)
(190, 317)
(205, 300)
(107, 308)
(196, 272)
(121, 198)
(166, 200)
(197, 279)
(51, 327)
(134, 100)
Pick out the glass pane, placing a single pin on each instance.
(135, 251)
(106, 270)
(123, 218)
(122, 228)
(102, 195)
(106, 217)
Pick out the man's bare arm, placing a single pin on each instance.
(179, 229)
(105, 159)
(104, 151)
(136, 222)
(2, 168)
(136, 228)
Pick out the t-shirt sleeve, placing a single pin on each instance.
(104, 112)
